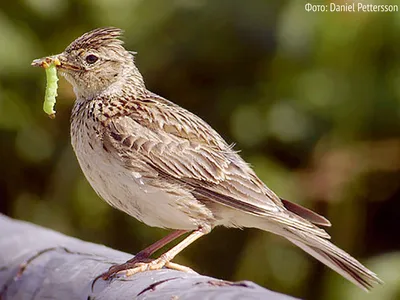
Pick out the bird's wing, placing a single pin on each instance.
(184, 149)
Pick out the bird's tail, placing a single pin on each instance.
(333, 257)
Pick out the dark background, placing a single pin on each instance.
(311, 99)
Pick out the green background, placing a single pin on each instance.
(311, 99)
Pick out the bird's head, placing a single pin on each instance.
(96, 62)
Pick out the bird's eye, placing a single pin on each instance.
(91, 58)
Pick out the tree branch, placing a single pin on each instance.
(38, 263)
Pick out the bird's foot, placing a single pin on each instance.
(116, 269)
(157, 264)
(153, 265)
(137, 265)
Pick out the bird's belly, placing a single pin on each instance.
(128, 191)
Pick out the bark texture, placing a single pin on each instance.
(38, 263)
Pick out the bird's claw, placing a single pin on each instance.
(117, 269)
(156, 264)
(133, 267)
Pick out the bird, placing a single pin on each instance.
(168, 168)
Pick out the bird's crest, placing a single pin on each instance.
(97, 38)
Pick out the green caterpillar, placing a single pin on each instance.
(51, 89)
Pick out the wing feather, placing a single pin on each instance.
(183, 149)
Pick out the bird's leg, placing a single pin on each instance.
(143, 255)
(164, 259)
(147, 252)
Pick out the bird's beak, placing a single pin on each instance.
(59, 61)
(45, 62)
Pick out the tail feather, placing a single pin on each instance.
(333, 257)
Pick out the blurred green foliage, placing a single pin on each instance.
(311, 99)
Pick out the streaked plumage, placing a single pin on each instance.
(168, 168)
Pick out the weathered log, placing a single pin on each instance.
(38, 263)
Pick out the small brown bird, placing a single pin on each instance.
(168, 168)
